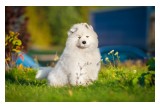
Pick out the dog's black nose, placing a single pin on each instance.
(83, 42)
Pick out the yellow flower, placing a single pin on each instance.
(20, 66)
(70, 92)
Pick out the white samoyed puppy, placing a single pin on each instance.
(79, 63)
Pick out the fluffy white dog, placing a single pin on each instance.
(80, 62)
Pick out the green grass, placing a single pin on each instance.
(133, 83)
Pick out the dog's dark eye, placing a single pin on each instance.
(87, 36)
(79, 37)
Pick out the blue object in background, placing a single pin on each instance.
(26, 61)
(124, 52)
(124, 26)
(120, 28)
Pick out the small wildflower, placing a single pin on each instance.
(55, 57)
(111, 52)
(107, 59)
(116, 54)
(20, 67)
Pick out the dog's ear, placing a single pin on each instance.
(88, 26)
(91, 27)
(71, 31)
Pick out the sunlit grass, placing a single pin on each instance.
(113, 84)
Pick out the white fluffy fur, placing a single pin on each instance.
(79, 63)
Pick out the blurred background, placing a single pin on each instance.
(43, 30)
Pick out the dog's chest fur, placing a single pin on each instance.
(82, 62)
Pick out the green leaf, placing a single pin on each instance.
(7, 37)
(151, 64)
(135, 81)
(17, 42)
(10, 39)
(16, 50)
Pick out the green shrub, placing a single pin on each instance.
(13, 45)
